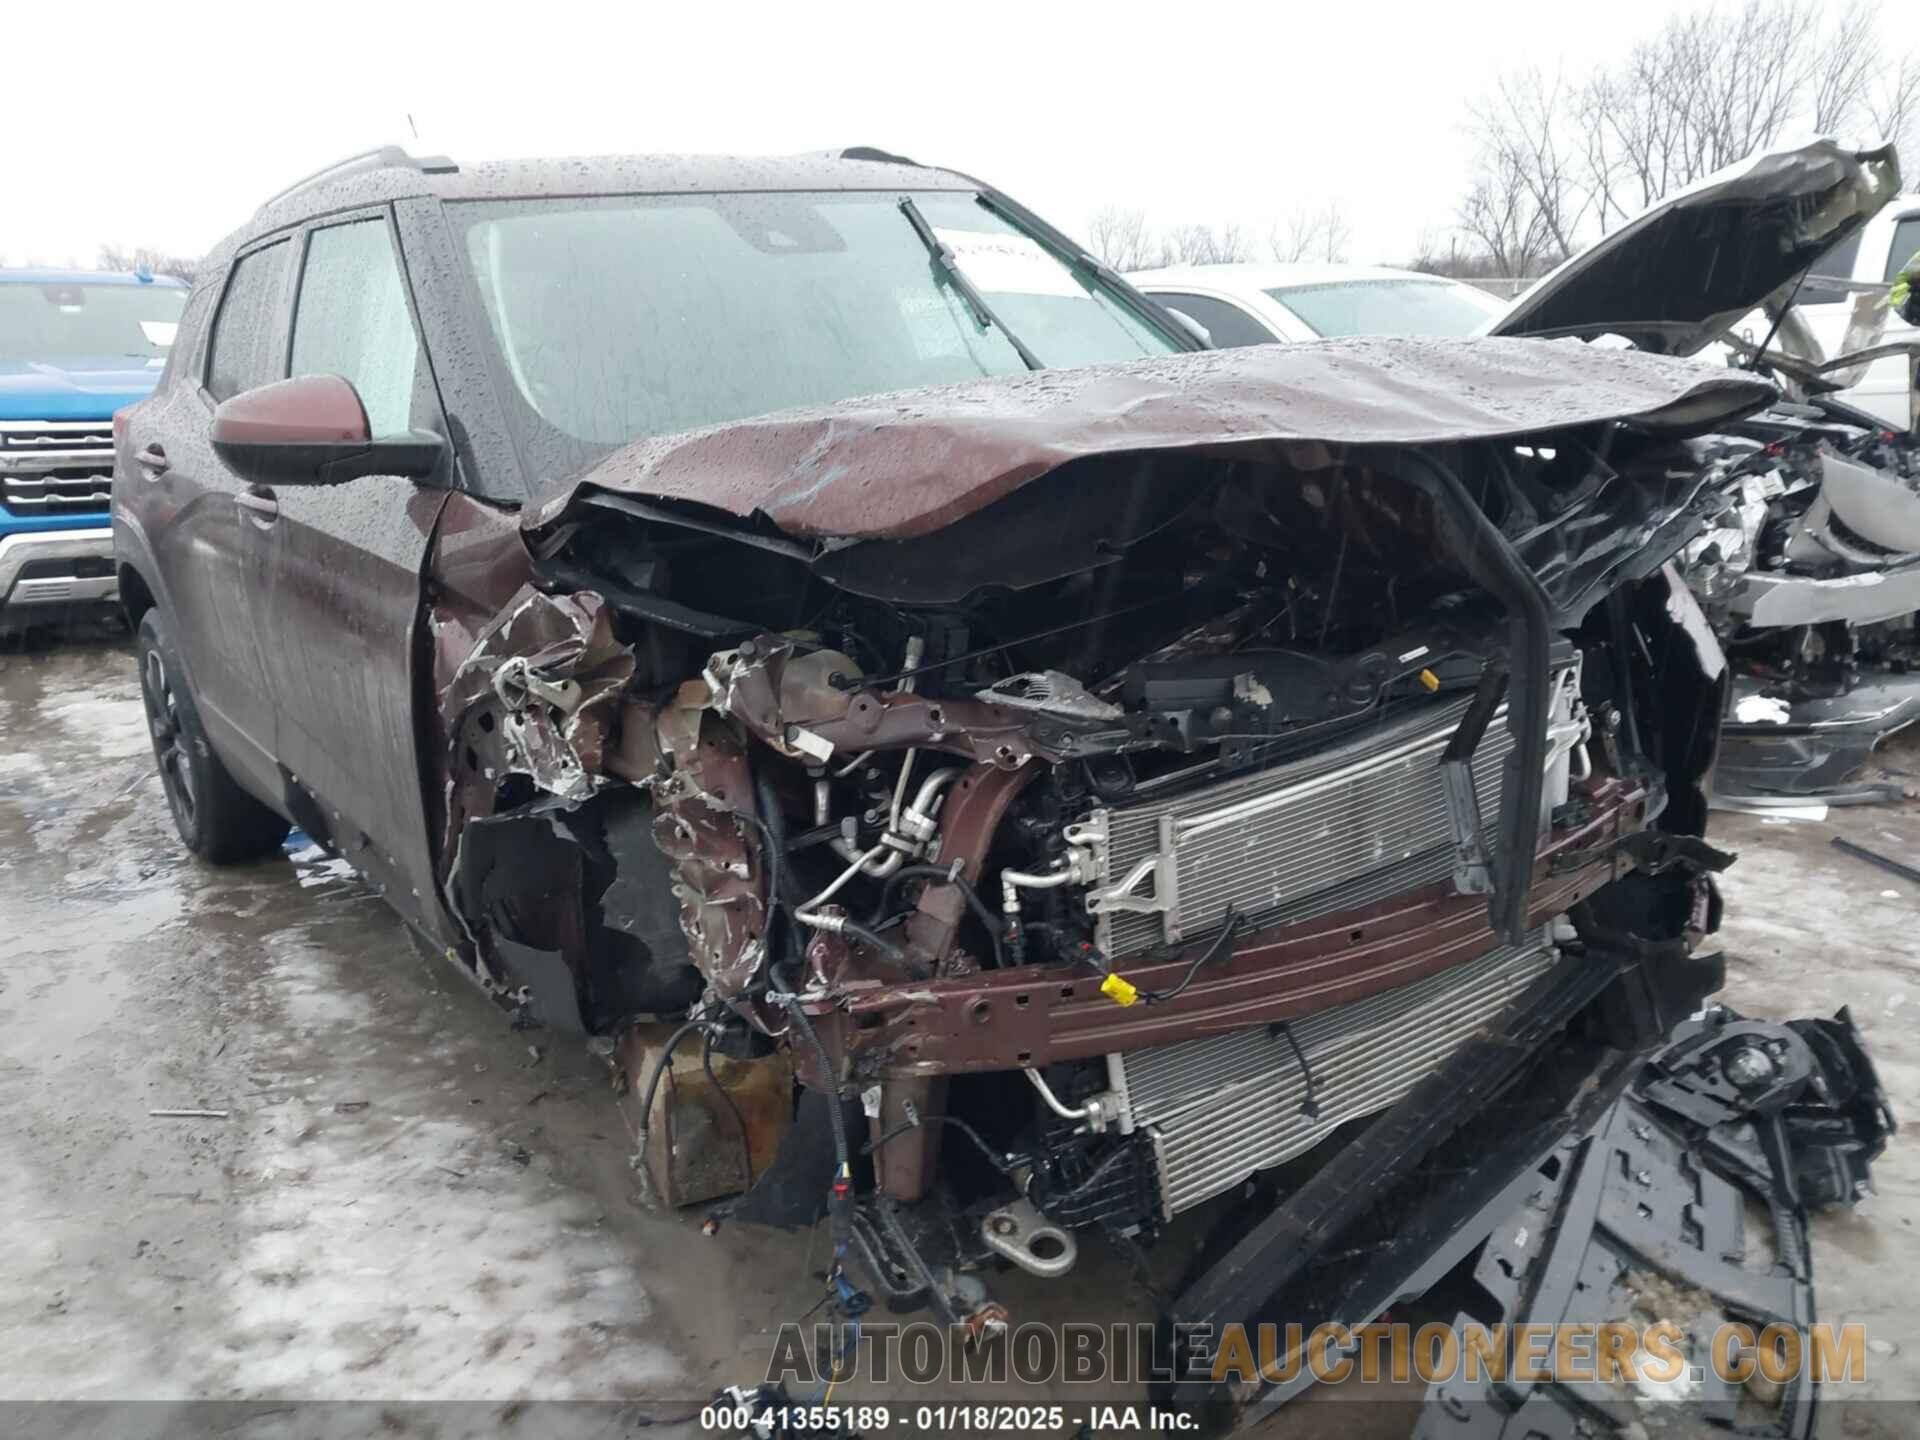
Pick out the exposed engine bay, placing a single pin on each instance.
(1098, 847)
(1810, 569)
(1811, 574)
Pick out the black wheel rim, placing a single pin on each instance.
(170, 746)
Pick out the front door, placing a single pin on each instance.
(341, 599)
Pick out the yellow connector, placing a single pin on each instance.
(1118, 990)
(1430, 680)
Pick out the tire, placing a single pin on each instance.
(217, 820)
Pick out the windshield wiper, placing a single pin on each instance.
(1091, 271)
(944, 262)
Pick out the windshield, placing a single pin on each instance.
(635, 316)
(1389, 307)
(60, 323)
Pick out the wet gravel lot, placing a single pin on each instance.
(407, 1202)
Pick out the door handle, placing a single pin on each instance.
(259, 502)
(152, 461)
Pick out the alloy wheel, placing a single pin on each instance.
(170, 744)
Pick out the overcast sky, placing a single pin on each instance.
(167, 125)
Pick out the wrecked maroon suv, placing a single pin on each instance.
(816, 598)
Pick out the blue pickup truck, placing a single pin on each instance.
(75, 346)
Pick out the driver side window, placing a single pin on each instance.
(352, 320)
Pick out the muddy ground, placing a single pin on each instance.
(408, 1203)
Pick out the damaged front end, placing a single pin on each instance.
(1114, 789)
(1811, 572)
(1809, 567)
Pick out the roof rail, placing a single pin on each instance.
(873, 152)
(382, 158)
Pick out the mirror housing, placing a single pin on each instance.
(1192, 326)
(312, 430)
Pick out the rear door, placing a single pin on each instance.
(194, 512)
(342, 598)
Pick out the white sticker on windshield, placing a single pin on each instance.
(1008, 264)
(160, 332)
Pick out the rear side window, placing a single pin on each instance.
(1228, 325)
(184, 354)
(352, 321)
(1906, 240)
(246, 337)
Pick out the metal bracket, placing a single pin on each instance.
(1472, 866)
(1104, 897)
(515, 682)
(1030, 1240)
(1651, 851)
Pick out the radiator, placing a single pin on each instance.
(1221, 1108)
(1338, 829)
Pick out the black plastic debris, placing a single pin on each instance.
(1686, 1206)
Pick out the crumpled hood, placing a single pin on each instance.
(1696, 262)
(912, 462)
(73, 389)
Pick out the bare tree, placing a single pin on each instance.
(149, 259)
(1121, 238)
(1195, 244)
(1312, 233)
(1713, 86)
(1893, 105)
(1710, 87)
(1499, 215)
(1526, 157)
(1844, 68)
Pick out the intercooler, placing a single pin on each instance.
(1341, 828)
(1219, 1109)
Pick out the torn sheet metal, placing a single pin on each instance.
(717, 861)
(909, 463)
(789, 702)
(540, 689)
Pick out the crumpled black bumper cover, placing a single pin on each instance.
(1601, 1186)
(1809, 748)
(1646, 1219)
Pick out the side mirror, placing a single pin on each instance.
(312, 430)
(1192, 326)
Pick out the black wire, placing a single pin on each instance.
(659, 1070)
(746, 1140)
(886, 947)
(1212, 952)
(1087, 1183)
(1310, 1106)
(771, 847)
(941, 875)
(770, 850)
(843, 1156)
(993, 1156)
(777, 983)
